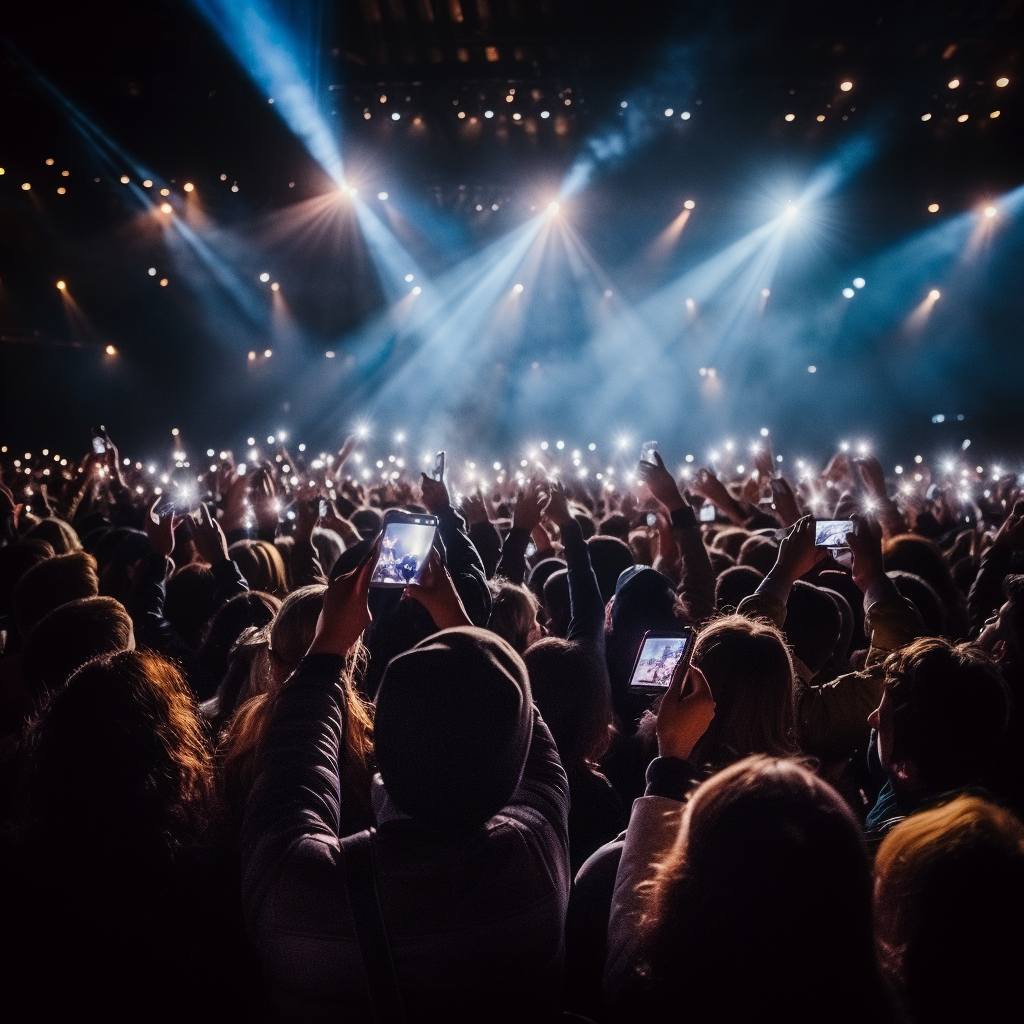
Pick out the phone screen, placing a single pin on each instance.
(404, 552)
(652, 519)
(647, 451)
(438, 473)
(324, 509)
(707, 513)
(831, 533)
(658, 660)
(99, 445)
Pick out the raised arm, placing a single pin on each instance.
(525, 519)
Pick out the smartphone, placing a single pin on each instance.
(438, 472)
(647, 451)
(661, 655)
(707, 513)
(404, 550)
(531, 549)
(776, 485)
(100, 444)
(831, 533)
(652, 520)
(324, 508)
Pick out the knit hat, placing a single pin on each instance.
(452, 728)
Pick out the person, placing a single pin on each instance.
(751, 900)
(514, 612)
(940, 724)
(949, 911)
(470, 852)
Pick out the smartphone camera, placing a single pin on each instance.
(652, 520)
(647, 451)
(831, 533)
(324, 508)
(404, 550)
(707, 514)
(661, 655)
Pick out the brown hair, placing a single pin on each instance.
(513, 612)
(61, 536)
(51, 583)
(749, 670)
(262, 566)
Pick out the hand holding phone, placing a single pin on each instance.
(438, 471)
(686, 711)
(661, 655)
(647, 450)
(831, 533)
(405, 546)
(707, 513)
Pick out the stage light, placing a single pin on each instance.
(110, 350)
(934, 294)
(1002, 82)
(417, 290)
(812, 369)
(264, 277)
(61, 286)
(517, 288)
(933, 207)
(553, 208)
(165, 191)
(25, 186)
(165, 208)
(995, 113)
(685, 115)
(408, 278)
(846, 86)
(608, 293)
(792, 209)
(689, 204)
(669, 112)
(926, 117)
(990, 211)
(691, 305)
(791, 117)
(252, 356)
(188, 186)
(859, 282)
(147, 183)
(382, 196)
(765, 292)
(268, 352)
(545, 114)
(488, 113)
(848, 293)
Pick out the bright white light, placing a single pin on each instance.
(517, 288)
(899, 470)
(264, 277)
(764, 431)
(859, 282)
(689, 204)
(396, 116)
(792, 209)
(622, 442)
(417, 290)
(382, 196)
(1002, 82)
(545, 114)
(152, 271)
(954, 83)
(352, 191)
(592, 446)
(488, 113)
(691, 305)
(210, 452)
(990, 211)
(608, 293)
(844, 446)
(559, 445)
(408, 278)
(934, 295)
(669, 112)
(919, 459)
(848, 293)
(553, 208)
(765, 292)
(685, 115)
(846, 86)
(400, 437)
(544, 446)
(624, 104)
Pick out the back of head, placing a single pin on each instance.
(923, 558)
(513, 613)
(556, 602)
(720, 560)
(262, 566)
(949, 708)
(15, 561)
(574, 699)
(922, 596)
(251, 609)
(119, 758)
(759, 552)
(329, 547)
(116, 552)
(294, 626)
(70, 636)
(609, 556)
(191, 601)
(813, 625)
(61, 536)
(540, 574)
(763, 907)
(452, 727)
(730, 540)
(748, 668)
(949, 910)
(586, 523)
(51, 583)
(367, 521)
(614, 525)
(734, 584)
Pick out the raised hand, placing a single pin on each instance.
(263, 500)
(873, 475)
(345, 613)
(208, 537)
(1011, 533)
(865, 541)
(797, 553)
(557, 509)
(435, 494)
(436, 592)
(660, 482)
(160, 531)
(685, 713)
(307, 512)
(474, 508)
(785, 501)
(530, 506)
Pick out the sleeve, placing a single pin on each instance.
(697, 588)
(487, 541)
(586, 609)
(146, 606)
(653, 828)
(293, 812)
(763, 604)
(305, 565)
(465, 565)
(230, 581)
(512, 564)
(987, 589)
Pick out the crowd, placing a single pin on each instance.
(239, 782)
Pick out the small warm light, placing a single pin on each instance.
(791, 117)
(934, 294)
(125, 179)
(995, 113)
(188, 186)
(110, 350)
(165, 191)
(383, 99)
(848, 293)
(962, 118)
(461, 115)
(165, 207)
(926, 117)
(264, 277)
(163, 282)
(990, 211)
(49, 161)
(175, 431)
(65, 174)
(382, 196)
(859, 282)
(1002, 82)
(933, 207)
(275, 286)
(820, 117)
(517, 288)
(61, 191)
(268, 352)
(517, 117)
(25, 186)
(147, 184)
(954, 83)
(61, 286)
(846, 86)
(252, 356)
(689, 204)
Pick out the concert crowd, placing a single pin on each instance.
(239, 782)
